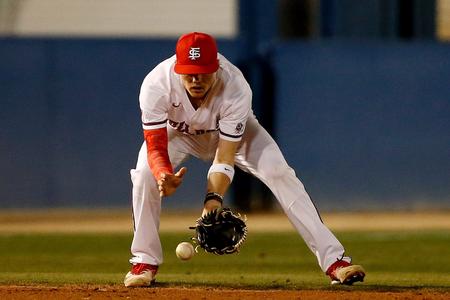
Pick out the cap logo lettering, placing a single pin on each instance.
(194, 53)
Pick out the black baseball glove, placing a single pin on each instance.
(220, 231)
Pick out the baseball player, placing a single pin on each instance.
(197, 103)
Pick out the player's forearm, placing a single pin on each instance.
(159, 163)
(220, 175)
(157, 153)
(221, 172)
(217, 186)
(218, 183)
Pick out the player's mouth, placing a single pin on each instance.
(197, 89)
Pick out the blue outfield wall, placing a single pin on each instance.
(70, 121)
(366, 125)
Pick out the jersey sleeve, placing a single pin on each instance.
(154, 107)
(235, 111)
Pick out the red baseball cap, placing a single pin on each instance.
(196, 54)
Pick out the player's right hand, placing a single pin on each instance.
(168, 183)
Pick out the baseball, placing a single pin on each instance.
(185, 251)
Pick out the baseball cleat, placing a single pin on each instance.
(141, 275)
(342, 272)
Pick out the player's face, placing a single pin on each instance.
(197, 85)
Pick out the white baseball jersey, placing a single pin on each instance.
(163, 100)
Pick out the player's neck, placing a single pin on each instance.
(196, 102)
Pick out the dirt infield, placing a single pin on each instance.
(67, 221)
(171, 293)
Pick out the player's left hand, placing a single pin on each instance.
(168, 183)
(220, 231)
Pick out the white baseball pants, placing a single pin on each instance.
(259, 155)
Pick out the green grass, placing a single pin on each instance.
(393, 260)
